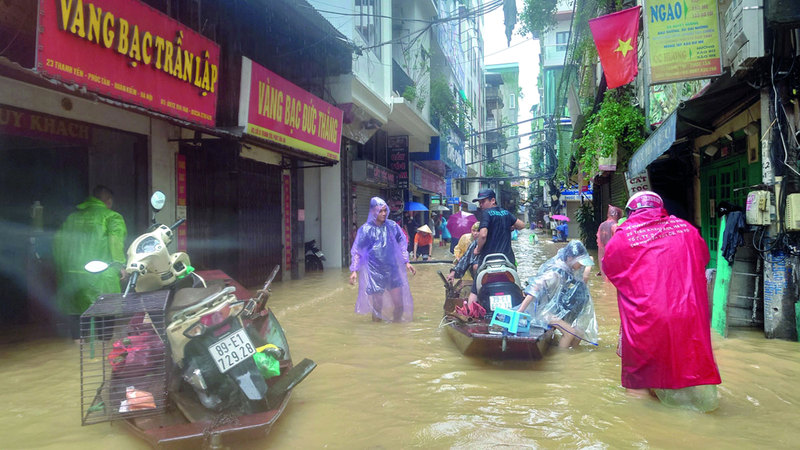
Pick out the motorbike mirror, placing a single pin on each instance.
(157, 200)
(95, 266)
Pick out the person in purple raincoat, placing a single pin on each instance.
(379, 259)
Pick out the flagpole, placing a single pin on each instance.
(646, 77)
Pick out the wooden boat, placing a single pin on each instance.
(186, 423)
(474, 338)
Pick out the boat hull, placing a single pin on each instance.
(187, 424)
(474, 339)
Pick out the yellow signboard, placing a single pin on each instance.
(682, 39)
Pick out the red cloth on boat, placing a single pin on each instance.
(657, 263)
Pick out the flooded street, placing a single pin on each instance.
(406, 385)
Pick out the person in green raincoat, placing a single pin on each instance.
(93, 232)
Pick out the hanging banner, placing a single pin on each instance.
(398, 159)
(180, 204)
(682, 39)
(287, 222)
(274, 109)
(127, 50)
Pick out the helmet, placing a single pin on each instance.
(644, 199)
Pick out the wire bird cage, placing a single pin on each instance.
(124, 355)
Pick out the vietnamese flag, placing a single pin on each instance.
(615, 36)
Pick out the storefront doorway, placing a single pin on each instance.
(50, 165)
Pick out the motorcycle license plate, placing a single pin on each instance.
(499, 301)
(231, 350)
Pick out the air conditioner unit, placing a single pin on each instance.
(792, 214)
(757, 209)
(744, 34)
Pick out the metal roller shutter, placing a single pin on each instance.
(363, 195)
(618, 190)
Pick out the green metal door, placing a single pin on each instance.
(719, 182)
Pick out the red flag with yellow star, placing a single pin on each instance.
(615, 36)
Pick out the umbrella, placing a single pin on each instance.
(460, 223)
(560, 217)
(415, 206)
(440, 208)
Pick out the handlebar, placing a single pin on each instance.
(131, 283)
(177, 224)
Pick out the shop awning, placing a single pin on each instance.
(658, 143)
(719, 101)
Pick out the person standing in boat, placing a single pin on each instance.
(494, 234)
(378, 261)
(557, 296)
(657, 263)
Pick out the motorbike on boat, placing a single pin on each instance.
(209, 351)
(501, 333)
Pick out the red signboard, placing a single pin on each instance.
(398, 159)
(127, 50)
(20, 122)
(180, 211)
(279, 111)
(287, 221)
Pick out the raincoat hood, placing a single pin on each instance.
(375, 206)
(92, 232)
(560, 293)
(614, 213)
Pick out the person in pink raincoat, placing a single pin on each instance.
(379, 260)
(606, 230)
(657, 263)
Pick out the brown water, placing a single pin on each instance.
(406, 385)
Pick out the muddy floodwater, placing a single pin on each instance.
(406, 385)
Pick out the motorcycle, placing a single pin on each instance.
(223, 343)
(498, 287)
(314, 256)
(498, 284)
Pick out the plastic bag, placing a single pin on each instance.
(701, 398)
(267, 361)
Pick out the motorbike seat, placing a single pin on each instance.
(187, 297)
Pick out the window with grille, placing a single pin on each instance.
(368, 22)
(562, 37)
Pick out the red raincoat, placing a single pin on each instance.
(657, 263)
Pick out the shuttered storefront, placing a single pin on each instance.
(618, 191)
(234, 212)
(363, 195)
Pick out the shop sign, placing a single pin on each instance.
(683, 40)
(428, 180)
(454, 154)
(19, 122)
(655, 145)
(380, 175)
(575, 193)
(638, 183)
(453, 200)
(127, 50)
(274, 109)
(398, 159)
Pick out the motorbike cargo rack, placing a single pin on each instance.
(124, 356)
